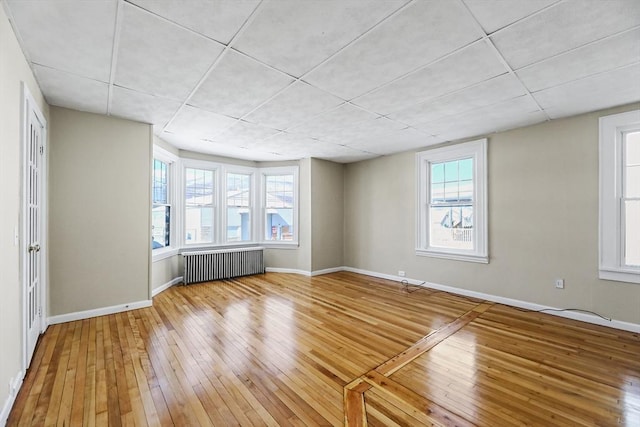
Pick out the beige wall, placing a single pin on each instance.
(543, 221)
(13, 70)
(327, 214)
(99, 211)
(165, 270)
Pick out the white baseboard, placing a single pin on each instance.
(327, 271)
(304, 272)
(166, 286)
(14, 387)
(584, 317)
(287, 271)
(87, 314)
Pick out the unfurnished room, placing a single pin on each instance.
(320, 212)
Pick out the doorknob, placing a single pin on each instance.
(34, 248)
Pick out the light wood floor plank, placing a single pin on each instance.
(280, 349)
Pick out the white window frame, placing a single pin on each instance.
(217, 223)
(173, 163)
(611, 170)
(281, 170)
(477, 150)
(252, 202)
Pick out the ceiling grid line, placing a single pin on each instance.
(215, 63)
(502, 59)
(114, 53)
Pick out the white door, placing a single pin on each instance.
(32, 229)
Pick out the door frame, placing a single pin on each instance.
(29, 104)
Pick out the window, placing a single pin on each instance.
(280, 204)
(620, 197)
(238, 207)
(161, 208)
(199, 206)
(452, 202)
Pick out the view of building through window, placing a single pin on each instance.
(199, 206)
(161, 209)
(451, 204)
(631, 199)
(279, 190)
(238, 207)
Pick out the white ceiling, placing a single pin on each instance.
(344, 80)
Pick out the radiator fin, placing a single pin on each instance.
(200, 266)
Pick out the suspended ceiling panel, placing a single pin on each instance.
(343, 80)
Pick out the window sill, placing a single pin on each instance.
(164, 253)
(280, 245)
(481, 259)
(629, 276)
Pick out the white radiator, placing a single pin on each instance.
(200, 266)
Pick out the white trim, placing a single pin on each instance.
(477, 150)
(584, 317)
(287, 271)
(28, 105)
(166, 286)
(165, 253)
(103, 311)
(326, 271)
(11, 398)
(453, 256)
(611, 225)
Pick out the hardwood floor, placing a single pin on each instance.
(281, 349)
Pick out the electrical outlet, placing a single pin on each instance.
(559, 283)
(401, 273)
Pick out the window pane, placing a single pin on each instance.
(279, 191)
(466, 169)
(451, 171)
(632, 233)
(238, 191)
(198, 224)
(279, 224)
(632, 165)
(437, 173)
(451, 227)
(199, 188)
(451, 191)
(238, 224)
(437, 193)
(160, 226)
(160, 182)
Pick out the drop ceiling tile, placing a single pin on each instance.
(418, 35)
(71, 91)
(617, 87)
(298, 103)
(493, 15)
(563, 27)
(296, 146)
(342, 117)
(604, 55)
(473, 64)
(197, 123)
(160, 58)
(68, 35)
(219, 149)
(142, 107)
(243, 134)
(346, 123)
(482, 94)
(294, 35)
(394, 142)
(492, 118)
(237, 85)
(219, 20)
